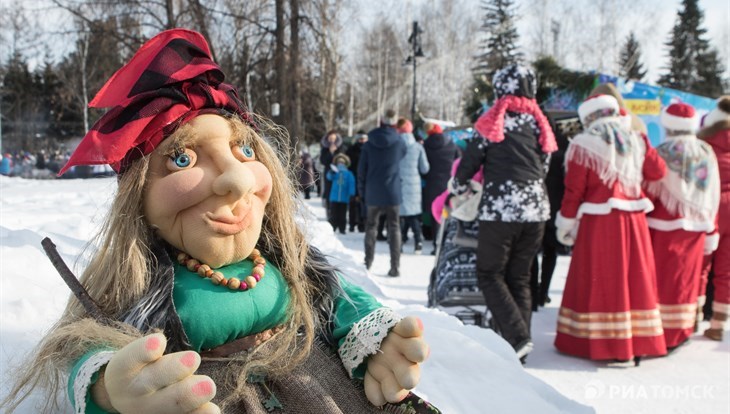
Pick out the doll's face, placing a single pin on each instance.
(206, 194)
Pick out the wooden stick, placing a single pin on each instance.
(73, 283)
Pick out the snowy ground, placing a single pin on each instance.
(470, 370)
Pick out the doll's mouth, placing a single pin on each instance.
(230, 224)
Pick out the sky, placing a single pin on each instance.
(469, 367)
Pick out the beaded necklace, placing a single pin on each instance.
(217, 278)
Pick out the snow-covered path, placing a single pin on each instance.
(470, 371)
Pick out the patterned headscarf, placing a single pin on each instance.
(171, 79)
(515, 80)
(515, 87)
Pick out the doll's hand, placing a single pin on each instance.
(395, 370)
(140, 379)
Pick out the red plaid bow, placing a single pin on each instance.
(170, 79)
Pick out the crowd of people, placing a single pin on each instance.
(646, 225)
(45, 164)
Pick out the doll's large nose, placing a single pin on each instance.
(235, 178)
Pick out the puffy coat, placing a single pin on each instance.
(325, 158)
(441, 152)
(378, 172)
(343, 184)
(412, 167)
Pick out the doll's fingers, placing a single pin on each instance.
(389, 386)
(207, 408)
(168, 369)
(414, 349)
(186, 395)
(409, 327)
(372, 390)
(407, 373)
(133, 357)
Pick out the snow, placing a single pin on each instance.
(470, 370)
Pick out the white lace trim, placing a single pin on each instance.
(365, 337)
(83, 378)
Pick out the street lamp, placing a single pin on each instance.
(416, 52)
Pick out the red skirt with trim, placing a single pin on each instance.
(678, 255)
(609, 309)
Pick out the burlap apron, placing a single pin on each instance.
(320, 385)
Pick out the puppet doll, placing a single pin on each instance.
(217, 298)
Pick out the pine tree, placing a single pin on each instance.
(693, 65)
(500, 45)
(630, 60)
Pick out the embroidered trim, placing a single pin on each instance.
(720, 307)
(365, 337)
(610, 325)
(83, 378)
(601, 209)
(679, 316)
(680, 224)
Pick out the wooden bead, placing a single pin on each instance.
(233, 283)
(258, 270)
(203, 270)
(182, 257)
(209, 273)
(191, 264)
(251, 282)
(254, 253)
(259, 260)
(217, 278)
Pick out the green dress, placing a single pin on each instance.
(213, 315)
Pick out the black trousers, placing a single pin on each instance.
(505, 252)
(542, 274)
(413, 223)
(357, 214)
(392, 217)
(338, 216)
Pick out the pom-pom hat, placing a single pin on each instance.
(597, 106)
(679, 117)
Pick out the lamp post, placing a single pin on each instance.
(416, 52)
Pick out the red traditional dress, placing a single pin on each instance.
(609, 308)
(686, 202)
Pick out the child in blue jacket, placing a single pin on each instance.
(343, 188)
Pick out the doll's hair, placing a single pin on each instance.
(124, 252)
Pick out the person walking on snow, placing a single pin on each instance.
(609, 309)
(378, 178)
(685, 208)
(412, 167)
(343, 189)
(512, 143)
(716, 132)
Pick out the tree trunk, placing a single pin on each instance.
(280, 65)
(296, 78)
(169, 8)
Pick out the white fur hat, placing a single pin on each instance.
(596, 103)
(679, 117)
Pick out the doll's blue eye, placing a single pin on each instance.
(246, 150)
(182, 160)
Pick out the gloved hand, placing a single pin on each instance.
(140, 379)
(395, 370)
(565, 235)
(455, 188)
(334, 168)
(711, 243)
